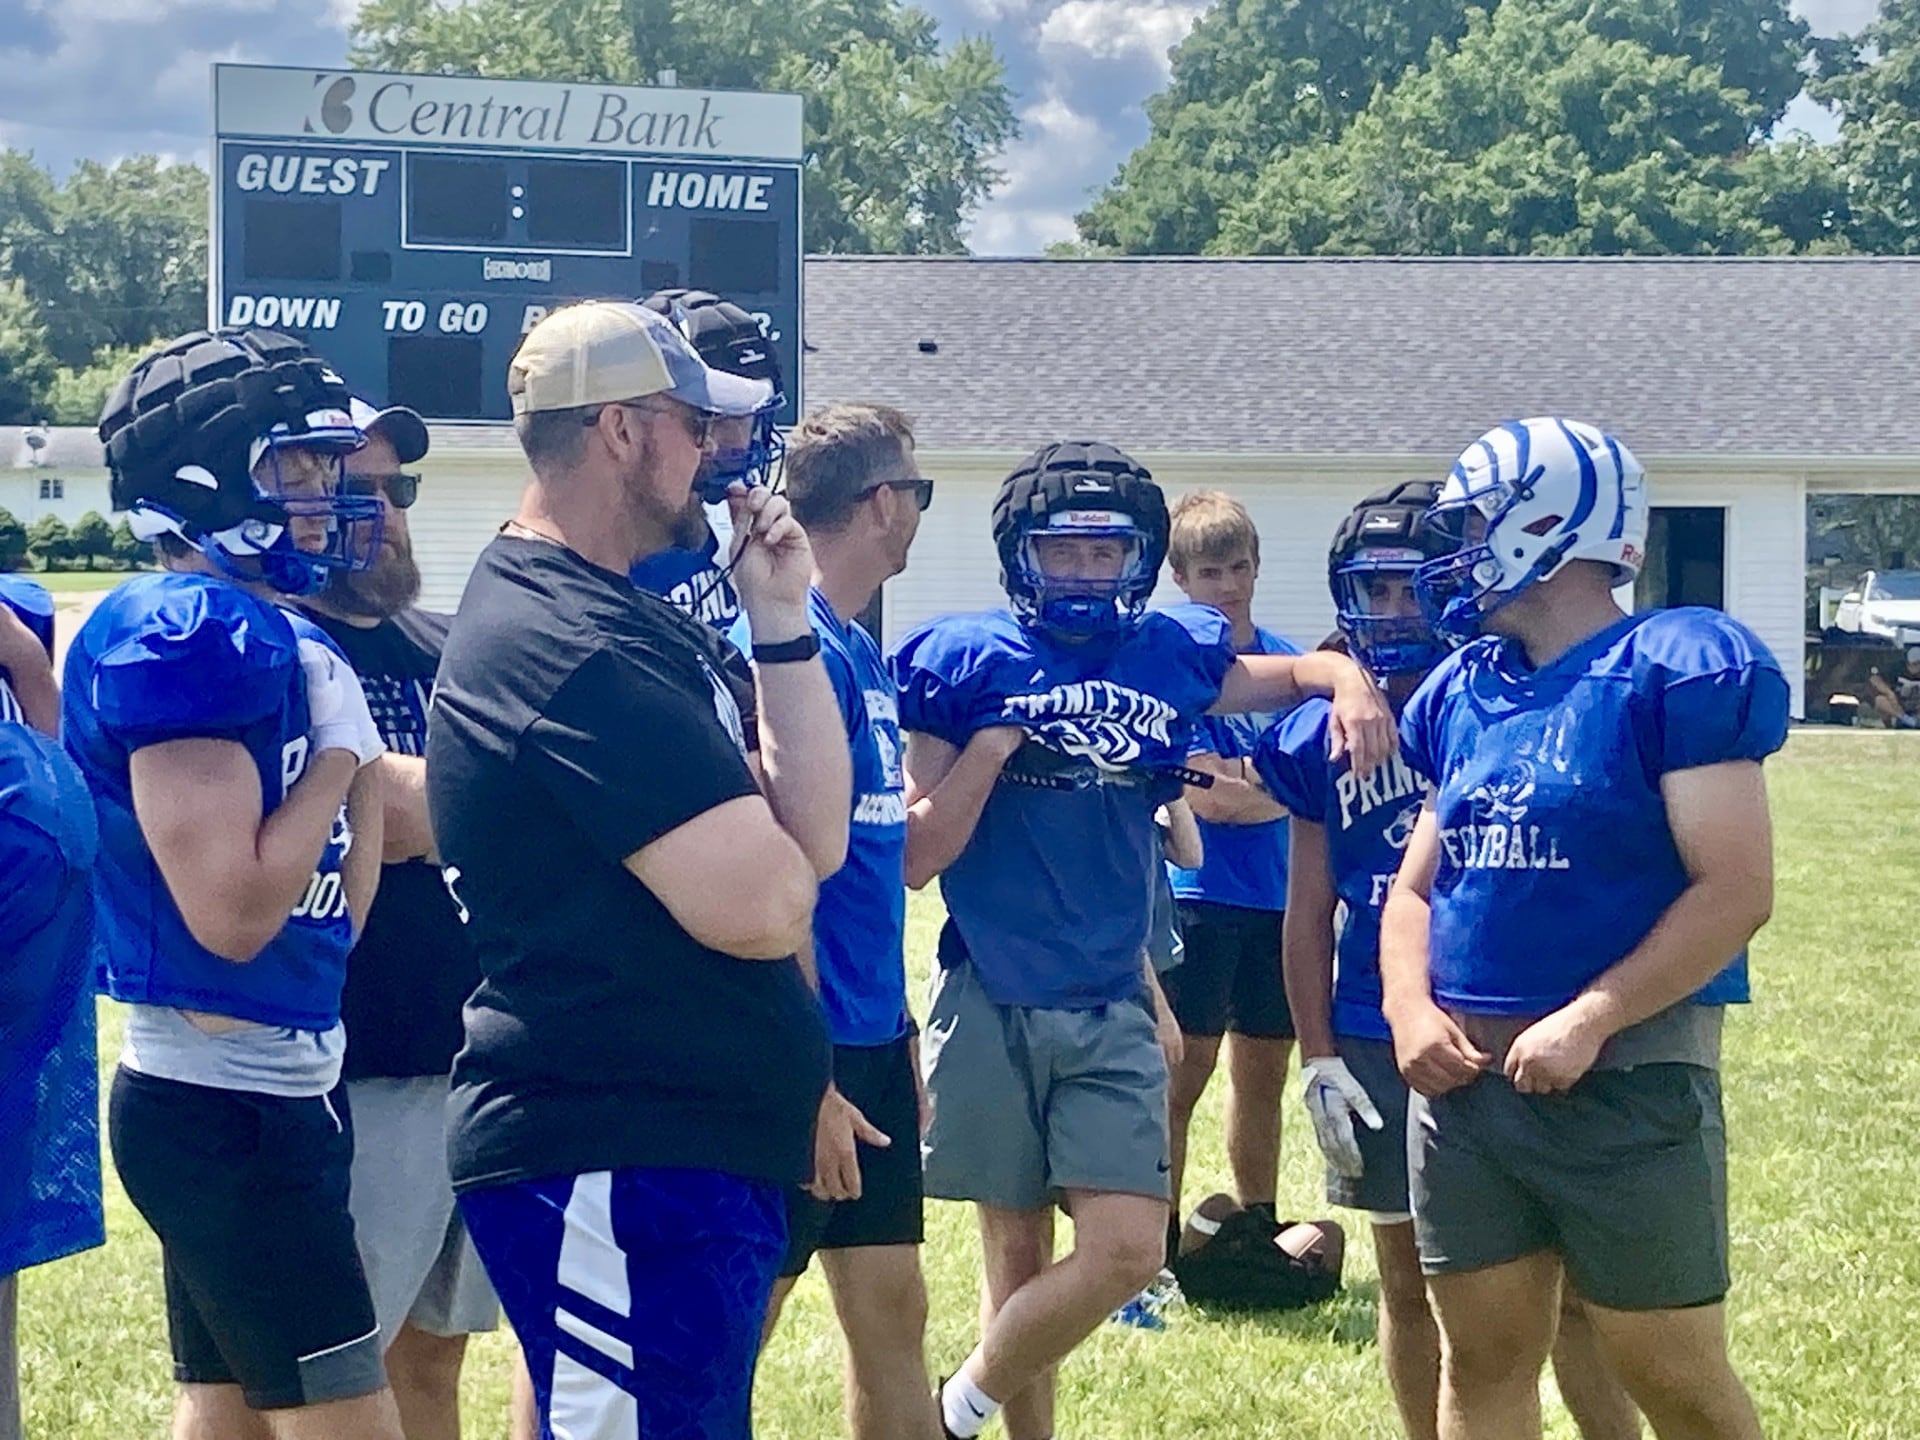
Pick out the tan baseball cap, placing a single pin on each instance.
(600, 351)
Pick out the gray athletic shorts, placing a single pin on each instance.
(1028, 1102)
(1381, 1187)
(1624, 1176)
(420, 1265)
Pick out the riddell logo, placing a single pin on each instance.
(336, 115)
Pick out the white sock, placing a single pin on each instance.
(966, 1407)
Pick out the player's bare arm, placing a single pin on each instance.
(29, 673)
(1362, 723)
(1306, 937)
(406, 829)
(947, 788)
(1434, 1054)
(808, 773)
(234, 876)
(1182, 843)
(1721, 827)
(1236, 796)
(366, 821)
(733, 879)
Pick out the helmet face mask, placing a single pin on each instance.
(1079, 492)
(1521, 502)
(1073, 598)
(1380, 634)
(1376, 552)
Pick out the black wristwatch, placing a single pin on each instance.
(788, 652)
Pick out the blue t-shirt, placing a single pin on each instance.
(1556, 858)
(29, 600)
(1244, 865)
(1368, 823)
(860, 919)
(49, 1071)
(1052, 896)
(691, 581)
(173, 657)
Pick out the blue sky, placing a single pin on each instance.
(78, 79)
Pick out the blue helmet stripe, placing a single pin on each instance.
(1589, 480)
(1619, 488)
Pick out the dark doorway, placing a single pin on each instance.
(1686, 558)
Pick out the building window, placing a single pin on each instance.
(52, 487)
(1686, 560)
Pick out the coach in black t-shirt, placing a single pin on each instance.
(644, 1057)
(410, 972)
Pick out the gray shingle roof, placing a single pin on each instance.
(1803, 358)
(70, 447)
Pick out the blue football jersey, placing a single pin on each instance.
(1053, 894)
(692, 582)
(1368, 823)
(49, 1068)
(860, 919)
(1244, 865)
(173, 657)
(29, 600)
(1556, 857)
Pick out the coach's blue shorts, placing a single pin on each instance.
(637, 1295)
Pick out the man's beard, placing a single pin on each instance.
(390, 586)
(691, 530)
(681, 527)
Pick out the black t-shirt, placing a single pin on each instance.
(413, 967)
(577, 720)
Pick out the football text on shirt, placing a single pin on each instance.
(1107, 723)
(1498, 838)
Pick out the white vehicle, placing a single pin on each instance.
(1884, 603)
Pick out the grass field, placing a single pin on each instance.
(68, 582)
(1823, 1087)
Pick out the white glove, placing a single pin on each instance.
(1333, 1098)
(337, 714)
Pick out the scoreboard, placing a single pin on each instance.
(412, 228)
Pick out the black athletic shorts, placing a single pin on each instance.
(879, 1081)
(248, 1194)
(1230, 978)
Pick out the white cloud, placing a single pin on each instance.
(1046, 179)
(1120, 29)
(1837, 17)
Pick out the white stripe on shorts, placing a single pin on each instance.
(588, 1406)
(592, 1263)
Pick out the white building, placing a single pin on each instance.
(1299, 385)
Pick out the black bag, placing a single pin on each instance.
(1242, 1267)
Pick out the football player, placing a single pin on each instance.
(49, 1075)
(1041, 739)
(691, 574)
(1347, 839)
(226, 741)
(1568, 924)
(854, 486)
(1231, 905)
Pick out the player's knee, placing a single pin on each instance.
(1403, 1295)
(1491, 1358)
(886, 1312)
(1129, 1258)
(426, 1365)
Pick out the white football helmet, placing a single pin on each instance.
(1521, 501)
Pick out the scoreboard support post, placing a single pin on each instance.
(412, 228)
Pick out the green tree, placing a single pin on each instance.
(130, 552)
(1873, 81)
(13, 542)
(27, 367)
(1260, 83)
(91, 538)
(49, 542)
(1539, 135)
(900, 135)
(112, 257)
(76, 397)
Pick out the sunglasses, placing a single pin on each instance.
(400, 488)
(921, 487)
(699, 423)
